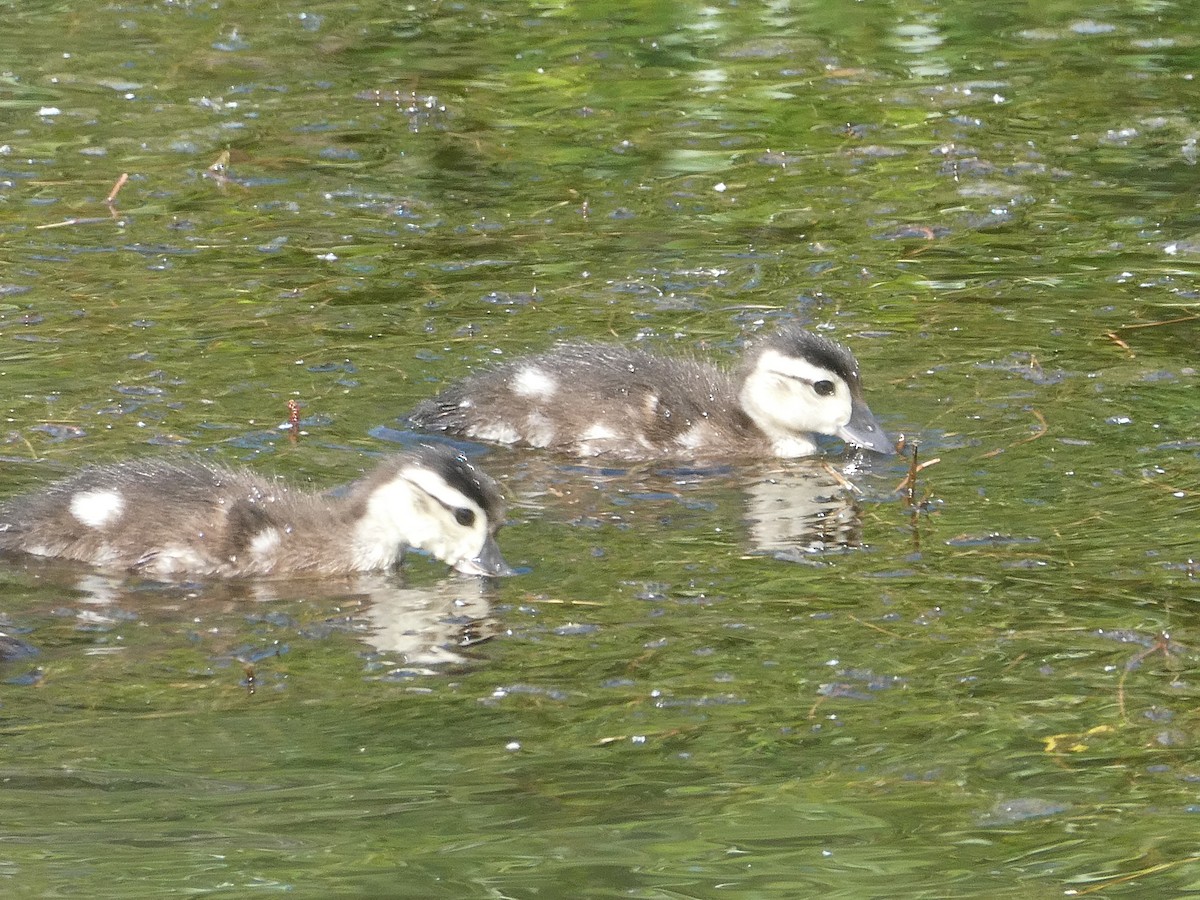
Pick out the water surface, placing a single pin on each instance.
(710, 681)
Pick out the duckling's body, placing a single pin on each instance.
(169, 519)
(609, 400)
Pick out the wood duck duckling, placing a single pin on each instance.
(608, 400)
(169, 519)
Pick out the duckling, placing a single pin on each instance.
(608, 400)
(168, 519)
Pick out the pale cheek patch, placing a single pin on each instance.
(534, 383)
(97, 509)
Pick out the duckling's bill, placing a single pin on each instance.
(487, 562)
(863, 430)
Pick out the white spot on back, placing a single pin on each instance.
(539, 430)
(598, 431)
(533, 382)
(176, 559)
(500, 433)
(694, 438)
(97, 509)
(264, 542)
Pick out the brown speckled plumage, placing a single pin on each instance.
(610, 400)
(169, 518)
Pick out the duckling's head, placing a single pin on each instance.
(797, 383)
(433, 499)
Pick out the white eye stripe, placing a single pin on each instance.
(437, 488)
(800, 369)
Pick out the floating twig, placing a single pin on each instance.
(92, 220)
(293, 407)
(843, 482)
(1116, 339)
(65, 223)
(1043, 428)
(1162, 644)
(1133, 876)
(909, 485)
(891, 634)
(1136, 326)
(116, 188)
(32, 452)
(1160, 323)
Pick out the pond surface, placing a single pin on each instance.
(767, 680)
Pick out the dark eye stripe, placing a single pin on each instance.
(462, 514)
(824, 392)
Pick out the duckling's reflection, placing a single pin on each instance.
(426, 628)
(430, 626)
(804, 509)
(793, 510)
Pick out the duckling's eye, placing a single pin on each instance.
(823, 388)
(464, 517)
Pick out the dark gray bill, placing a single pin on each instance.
(488, 562)
(863, 430)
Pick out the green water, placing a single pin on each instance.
(687, 693)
